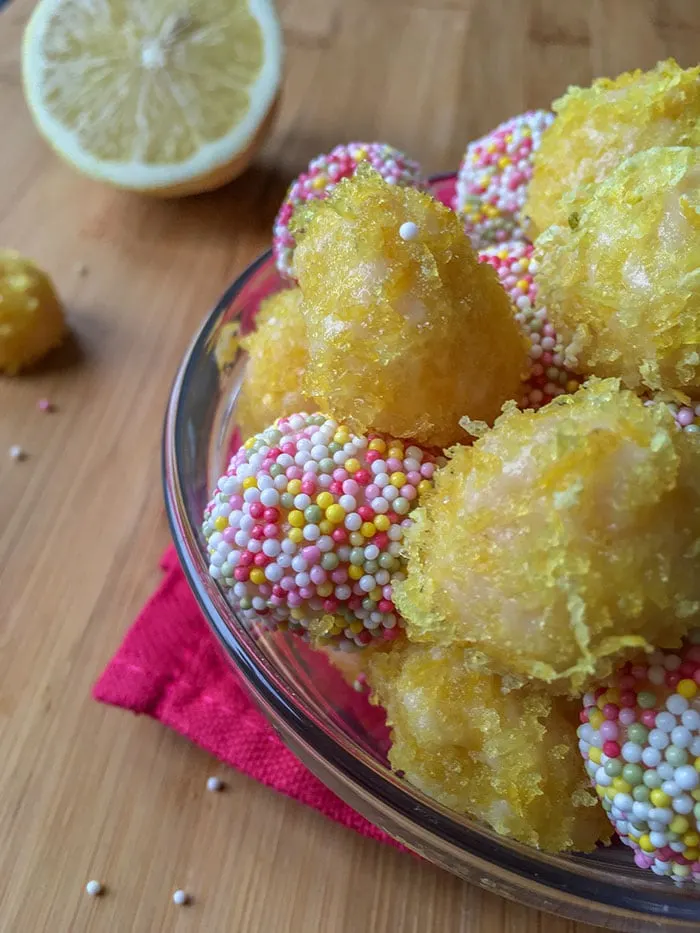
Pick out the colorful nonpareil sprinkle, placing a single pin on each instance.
(324, 173)
(493, 178)
(640, 739)
(547, 376)
(305, 528)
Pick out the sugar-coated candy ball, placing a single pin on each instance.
(305, 529)
(406, 336)
(546, 376)
(504, 756)
(277, 356)
(324, 173)
(561, 540)
(640, 740)
(598, 126)
(31, 317)
(493, 178)
(621, 282)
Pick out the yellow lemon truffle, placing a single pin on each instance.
(408, 331)
(597, 127)
(507, 757)
(277, 358)
(562, 540)
(621, 282)
(31, 318)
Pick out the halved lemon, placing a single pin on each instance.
(159, 96)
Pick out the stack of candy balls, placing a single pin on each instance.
(305, 528)
(471, 458)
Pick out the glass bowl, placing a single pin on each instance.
(331, 727)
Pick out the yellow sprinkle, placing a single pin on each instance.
(250, 482)
(696, 763)
(645, 843)
(341, 437)
(503, 161)
(352, 465)
(356, 539)
(382, 523)
(610, 792)
(594, 754)
(376, 594)
(659, 798)
(509, 138)
(600, 790)
(695, 794)
(613, 695)
(621, 785)
(220, 523)
(294, 486)
(526, 131)
(571, 385)
(355, 572)
(249, 443)
(296, 535)
(296, 613)
(319, 182)
(522, 285)
(324, 589)
(596, 719)
(335, 513)
(692, 854)
(398, 479)
(691, 839)
(368, 529)
(296, 518)
(377, 444)
(491, 148)
(323, 500)
(679, 825)
(687, 688)
(424, 486)
(257, 576)
(325, 527)
(356, 627)
(396, 452)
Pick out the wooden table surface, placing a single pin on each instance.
(91, 792)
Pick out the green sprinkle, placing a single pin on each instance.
(276, 470)
(370, 566)
(646, 699)
(327, 465)
(637, 733)
(640, 793)
(652, 779)
(613, 768)
(386, 561)
(676, 756)
(329, 561)
(313, 514)
(287, 500)
(633, 774)
(357, 556)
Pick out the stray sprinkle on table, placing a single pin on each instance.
(94, 888)
(16, 453)
(44, 405)
(181, 897)
(214, 784)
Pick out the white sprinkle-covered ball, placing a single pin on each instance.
(305, 528)
(493, 178)
(640, 739)
(323, 174)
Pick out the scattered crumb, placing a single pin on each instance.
(94, 888)
(16, 452)
(44, 405)
(214, 784)
(181, 897)
(81, 269)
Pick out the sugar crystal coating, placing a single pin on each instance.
(493, 178)
(507, 757)
(405, 336)
(323, 174)
(622, 282)
(597, 127)
(277, 356)
(31, 318)
(561, 540)
(640, 740)
(305, 529)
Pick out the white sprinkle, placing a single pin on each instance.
(214, 784)
(16, 452)
(408, 230)
(94, 888)
(180, 897)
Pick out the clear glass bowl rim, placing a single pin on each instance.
(513, 870)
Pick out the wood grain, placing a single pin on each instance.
(92, 792)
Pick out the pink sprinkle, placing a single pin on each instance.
(639, 672)
(294, 599)
(270, 531)
(306, 592)
(390, 634)
(236, 502)
(409, 492)
(340, 475)
(350, 487)
(648, 718)
(339, 576)
(229, 535)
(271, 515)
(318, 575)
(387, 592)
(308, 486)
(685, 416)
(627, 717)
(628, 698)
(311, 555)
(672, 678)
(414, 477)
(609, 731)
(372, 491)
(294, 472)
(611, 749)
(45, 405)
(393, 465)
(340, 536)
(257, 510)
(427, 470)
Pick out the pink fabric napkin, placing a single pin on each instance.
(170, 667)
